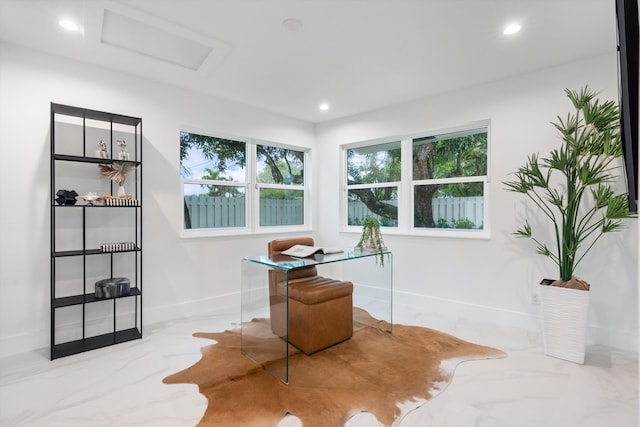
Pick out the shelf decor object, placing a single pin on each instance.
(118, 173)
(115, 287)
(96, 287)
(66, 197)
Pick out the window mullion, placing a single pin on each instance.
(405, 190)
(253, 193)
(308, 171)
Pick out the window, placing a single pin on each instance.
(280, 178)
(429, 184)
(449, 176)
(218, 198)
(373, 177)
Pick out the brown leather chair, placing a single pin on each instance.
(320, 308)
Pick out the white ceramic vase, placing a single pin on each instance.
(564, 322)
(121, 191)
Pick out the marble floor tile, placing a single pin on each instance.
(122, 385)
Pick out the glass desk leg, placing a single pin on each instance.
(263, 342)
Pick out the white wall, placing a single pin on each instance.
(494, 279)
(181, 276)
(489, 279)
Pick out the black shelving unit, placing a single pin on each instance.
(80, 321)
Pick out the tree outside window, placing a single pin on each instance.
(280, 177)
(449, 173)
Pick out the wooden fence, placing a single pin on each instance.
(456, 209)
(220, 212)
(446, 210)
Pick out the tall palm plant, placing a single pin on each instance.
(572, 187)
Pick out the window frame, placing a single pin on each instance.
(252, 191)
(406, 197)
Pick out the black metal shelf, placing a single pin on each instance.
(95, 160)
(74, 137)
(79, 252)
(83, 205)
(87, 299)
(85, 113)
(92, 343)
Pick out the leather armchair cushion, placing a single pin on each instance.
(274, 248)
(316, 289)
(279, 245)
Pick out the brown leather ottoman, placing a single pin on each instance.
(320, 308)
(320, 313)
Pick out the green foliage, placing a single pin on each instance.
(226, 151)
(442, 223)
(220, 190)
(371, 237)
(460, 156)
(464, 224)
(283, 166)
(459, 224)
(375, 167)
(572, 187)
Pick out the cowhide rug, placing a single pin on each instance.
(387, 374)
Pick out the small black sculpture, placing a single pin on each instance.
(113, 288)
(66, 197)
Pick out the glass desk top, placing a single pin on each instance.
(285, 262)
(266, 316)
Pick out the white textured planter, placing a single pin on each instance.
(564, 322)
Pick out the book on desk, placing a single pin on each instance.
(304, 251)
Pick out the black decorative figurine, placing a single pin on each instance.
(66, 197)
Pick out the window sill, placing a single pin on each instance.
(420, 232)
(241, 232)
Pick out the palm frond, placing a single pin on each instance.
(117, 172)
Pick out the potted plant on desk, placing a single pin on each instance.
(572, 191)
(371, 238)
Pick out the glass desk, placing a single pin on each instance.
(370, 272)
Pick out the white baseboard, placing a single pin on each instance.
(40, 340)
(24, 343)
(230, 304)
(217, 304)
(596, 335)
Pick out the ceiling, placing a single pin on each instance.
(356, 55)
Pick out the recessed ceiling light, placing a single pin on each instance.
(511, 29)
(324, 106)
(292, 24)
(69, 25)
